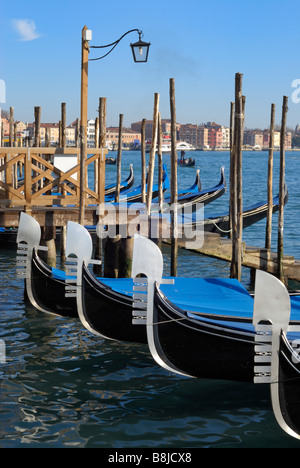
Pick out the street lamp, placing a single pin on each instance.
(140, 51)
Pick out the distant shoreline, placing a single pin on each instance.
(244, 149)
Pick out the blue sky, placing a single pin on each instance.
(200, 44)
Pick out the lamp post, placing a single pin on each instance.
(140, 51)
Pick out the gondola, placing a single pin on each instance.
(125, 185)
(214, 333)
(111, 161)
(220, 223)
(134, 194)
(196, 195)
(186, 162)
(44, 285)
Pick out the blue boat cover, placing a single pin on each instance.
(218, 297)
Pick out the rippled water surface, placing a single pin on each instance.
(63, 387)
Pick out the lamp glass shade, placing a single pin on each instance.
(140, 51)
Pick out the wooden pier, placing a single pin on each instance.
(47, 190)
(252, 257)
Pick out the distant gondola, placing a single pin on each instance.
(111, 161)
(186, 162)
(125, 185)
(196, 195)
(134, 194)
(221, 223)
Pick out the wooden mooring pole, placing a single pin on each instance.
(63, 229)
(143, 160)
(232, 172)
(237, 210)
(281, 190)
(270, 181)
(83, 124)
(160, 165)
(174, 193)
(119, 158)
(152, 153)
(97, 268)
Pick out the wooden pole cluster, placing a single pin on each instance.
(236, 191)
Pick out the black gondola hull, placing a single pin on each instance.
(199, 349)
(109, 313)
(221, 224)
(48, 292)
(288, 384)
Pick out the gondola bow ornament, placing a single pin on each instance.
(275, 360)
(151, 267)
(28, 240)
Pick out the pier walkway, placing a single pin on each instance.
(220, 248)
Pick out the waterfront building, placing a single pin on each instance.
(130, 138)
(165, 128)
(91, 133)
(189, 134)
(253, 138)
(261, 138)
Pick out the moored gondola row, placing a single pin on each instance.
(196, 327)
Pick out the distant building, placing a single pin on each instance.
(202, 140)
(253, 138)
(262, 138)
(91, 133)
(165, 128)
(130, 138)
(189, 134)
(209, 135)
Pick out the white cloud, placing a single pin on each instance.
(26, 29)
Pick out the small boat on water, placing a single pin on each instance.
(196, 194)
(186, 162)
(221, 223)
(110, 161)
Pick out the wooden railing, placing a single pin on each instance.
(29, 177)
